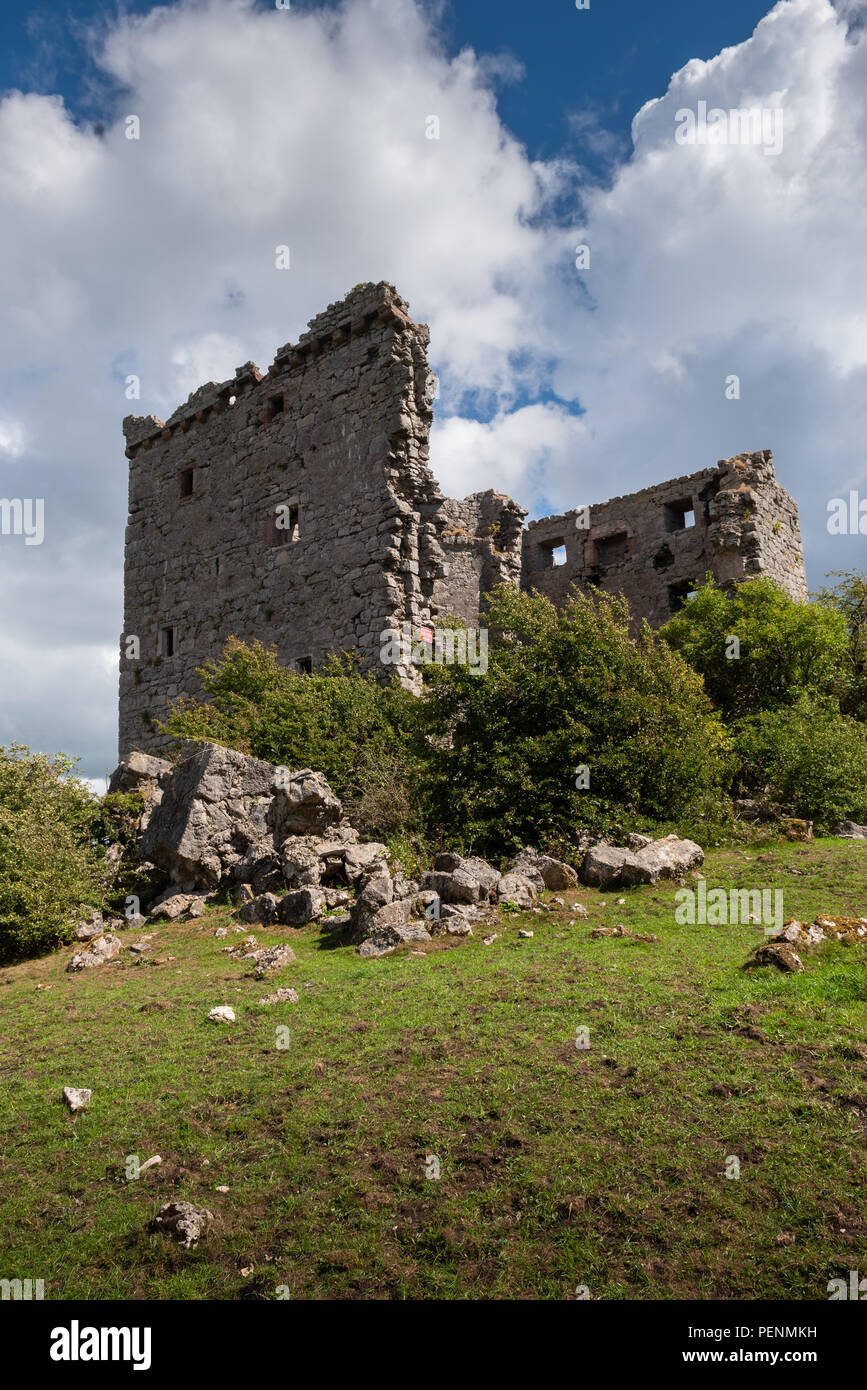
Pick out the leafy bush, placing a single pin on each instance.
(336, 721)
(50, 864)
(848, 597)
(785, 647)
(565, 689)
(810, 758)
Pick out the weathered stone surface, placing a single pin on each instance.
(91, 926)
(281, 996)
(360, 859)
(301, 906)
(387, 938)
(554, 874)
(223, 1013)
(261, 911)
(606, 866)
(77, 1098)
(779, 954)
(603, 864)
(850, 830)
(102, 949)
(183, 1221)
(138, 771)
(214, 808)
(516, 888)
(304, 805)
(794, 828)
(271, 959)
(470, 868)
(669, 857)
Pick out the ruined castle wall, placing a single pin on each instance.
(333, 442)
(654, 546)
(298, 508)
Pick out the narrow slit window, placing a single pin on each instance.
(167, 642)
(186, 482)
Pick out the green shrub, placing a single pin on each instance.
(810, 758)
(565, 689)
(337, 721)
(848, 597)
(49, 858)
(785, 647)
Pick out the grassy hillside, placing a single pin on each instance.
(559, 1167)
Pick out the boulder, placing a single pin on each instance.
(91, 926)
(606, 866)
(261, 911)
(360, 859)
(850, 830)
(387, 938)
(779, 954)
(77, 1098)
(223, 1013)
(214, 810)
(470, 867)
(603, 864)
(517, 889)
(304, 804)
(555, 875)
(301, 906)
(271, 959)
(102, 949)
(184, 1222)
(138, 771)
(281, 996)
(794, 828)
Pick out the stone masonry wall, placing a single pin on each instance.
(297, 507)
(655, 545)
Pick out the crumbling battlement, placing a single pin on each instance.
(297, 507)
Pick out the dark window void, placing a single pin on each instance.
(185, 484)
(679, 594)
(305, 665)
(284, 524)
(612, 550)
(167, 642)
(679, 515)
(551, 553)
(275, 405)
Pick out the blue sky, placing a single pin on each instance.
(604, 62)
(558, 386)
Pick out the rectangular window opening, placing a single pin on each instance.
(186, 482)
(167, 641)
(276, 405)
(679, 516)
(305, 665)
(551, 553)
(679, 594)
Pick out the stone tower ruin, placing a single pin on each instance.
(297, 507)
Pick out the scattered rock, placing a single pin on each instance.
(850, 830)
(605, 866)
(300, 906)
(222, 1014)
(782, 956)
(281, 996)
(796, 829)
(220, 933)
(272, 959)
(523, 932)
(387, 938)
(76, 1098)
(102, 949)
(184, 1222)
(261, 911)
(91, 926)
(555, 875)
(516, 888)
(489, 940)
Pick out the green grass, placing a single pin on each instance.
(559, 1167)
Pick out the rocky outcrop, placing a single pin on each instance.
(102, 949)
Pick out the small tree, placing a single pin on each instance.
(758, 648)
(566, 690)
(849, 598)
